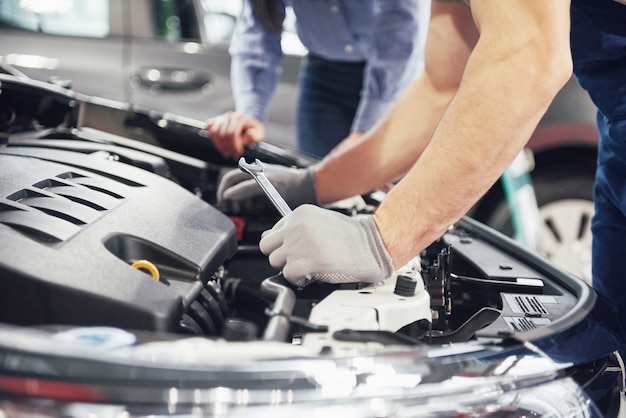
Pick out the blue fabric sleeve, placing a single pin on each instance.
(393, 52)
(256, 57)
(395, 57)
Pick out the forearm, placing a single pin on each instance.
(495, 111)
(391, 147)
(388, 150)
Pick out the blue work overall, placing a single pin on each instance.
(598, 40)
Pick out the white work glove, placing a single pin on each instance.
(296, 185)
(314, 244)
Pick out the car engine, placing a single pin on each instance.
(108, 218)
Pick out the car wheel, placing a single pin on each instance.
(565, 199)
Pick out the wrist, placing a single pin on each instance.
(327, 184)
(310, 185)
(401, 237)
(377, 246)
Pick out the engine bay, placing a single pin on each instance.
(108, 218)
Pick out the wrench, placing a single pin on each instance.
(256, 171)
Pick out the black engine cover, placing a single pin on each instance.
(72, 224)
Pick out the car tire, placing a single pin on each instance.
(565, 198)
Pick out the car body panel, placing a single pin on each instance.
(192, 68)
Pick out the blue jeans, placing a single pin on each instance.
(328, 101)
(599, 52)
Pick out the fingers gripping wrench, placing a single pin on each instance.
(255, 169)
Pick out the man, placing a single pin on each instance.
(599, 53)
(491, 71)
(361, 56)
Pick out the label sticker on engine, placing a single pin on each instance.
(529, 304)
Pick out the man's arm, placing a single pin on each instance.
(466, 119)
(519, 63)
(390, 149)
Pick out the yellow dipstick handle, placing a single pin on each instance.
(146, 265)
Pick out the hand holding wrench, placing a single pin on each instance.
(256, 169)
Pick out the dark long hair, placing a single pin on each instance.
(268, 14)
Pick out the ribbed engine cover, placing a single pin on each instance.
(72, 224)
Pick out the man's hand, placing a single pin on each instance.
(231, 131)
(315, 244)
(296, 185)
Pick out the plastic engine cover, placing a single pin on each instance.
(72, 224)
